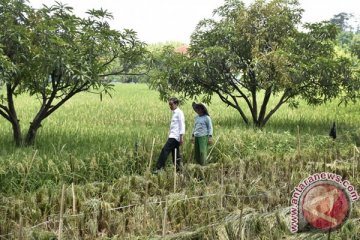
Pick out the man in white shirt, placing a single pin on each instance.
(176, 137)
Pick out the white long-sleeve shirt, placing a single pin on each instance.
(177, 124)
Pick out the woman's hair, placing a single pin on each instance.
(202, 108)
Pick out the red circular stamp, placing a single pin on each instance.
(321, 201)
(325, 206)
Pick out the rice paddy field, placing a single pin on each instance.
(88, 176)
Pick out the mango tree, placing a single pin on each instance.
(247, 55)
(53, 55)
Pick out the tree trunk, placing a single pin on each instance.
(243, 116)
(17, 132)
(45, 111)
(13, 116)
(31, 134)
(260, 123)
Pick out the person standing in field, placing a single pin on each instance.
(175, 139)
(202, 133)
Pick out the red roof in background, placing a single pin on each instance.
(183, 49)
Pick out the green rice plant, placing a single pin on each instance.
(104, 149)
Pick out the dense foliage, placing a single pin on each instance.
(249, 54)
(53, 55)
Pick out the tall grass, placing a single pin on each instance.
(104, 147)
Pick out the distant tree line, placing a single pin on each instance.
(349, 36)
(141, 75)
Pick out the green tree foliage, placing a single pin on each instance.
(53, 55)
(248, 55)
(344, 38)
(140, 74)
(355, 46)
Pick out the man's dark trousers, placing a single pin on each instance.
(170, 146)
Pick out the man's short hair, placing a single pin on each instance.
(174, 100)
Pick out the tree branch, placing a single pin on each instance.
(14, 87)
(218, 91)
(264, 104)
(72, 92)
(110, 61)
(234, 105)
(285, 97)
(242, 94)
(122, 72)
(2, 113)
(5, 109)
(10, 100)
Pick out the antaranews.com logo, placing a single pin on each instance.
(321, 201)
